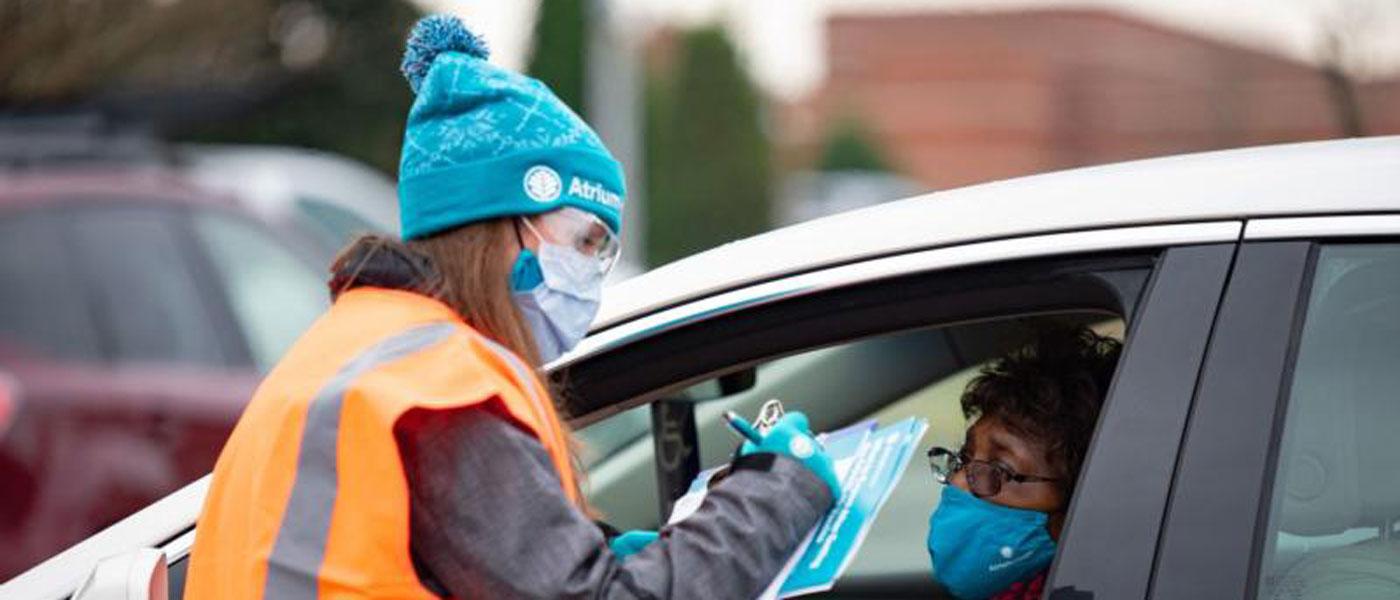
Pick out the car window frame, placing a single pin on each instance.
(212, 281)
(1115, 518)
(1271, 285)
(1187, 260)
(173, 217)
(1218, 506)
(667, 318)
(760, 343)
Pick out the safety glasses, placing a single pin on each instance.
(578, 229)
(983, 478)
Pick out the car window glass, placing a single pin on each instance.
(334, 224)
(606, 438)
(144, 287)
(274, 294)
(914, 373)
(41, 300)
(612, 435)
(1336, 498)
(178, 572)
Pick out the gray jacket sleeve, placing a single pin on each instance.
(489, 519)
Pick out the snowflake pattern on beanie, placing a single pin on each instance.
(475, 130)
(499, 113)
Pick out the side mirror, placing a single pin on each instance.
(9, 402)
(136, 575)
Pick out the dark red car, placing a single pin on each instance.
(136, 313)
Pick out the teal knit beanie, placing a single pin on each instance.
(484, 142)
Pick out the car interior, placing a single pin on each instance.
(887, 378)
(1337, 494)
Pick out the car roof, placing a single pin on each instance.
(1342, 176)
(271, 178)
(85, 183)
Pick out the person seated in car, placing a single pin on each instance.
(1007, 489)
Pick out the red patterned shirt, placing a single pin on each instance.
(1024, 590)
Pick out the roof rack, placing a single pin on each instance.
(45, 140)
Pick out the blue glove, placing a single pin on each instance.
(791, 437)
(631, 542)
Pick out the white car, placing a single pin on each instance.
(1247, 445)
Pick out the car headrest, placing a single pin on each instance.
(1341, 448)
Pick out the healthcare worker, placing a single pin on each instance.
(405, 446)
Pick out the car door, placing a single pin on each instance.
(169, 340)
(890, 336)
(1287, 486)
(905, 307)
(101, 428)
(44, 323)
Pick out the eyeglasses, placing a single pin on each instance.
(581, 230)
(984, 478)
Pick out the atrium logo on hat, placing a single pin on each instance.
(543, 184)
(595, 192)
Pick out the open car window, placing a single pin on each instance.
(884, 349)
(912, 373)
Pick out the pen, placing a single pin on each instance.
(742, 427)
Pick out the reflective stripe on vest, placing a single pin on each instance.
(293, 567)
(525, 375)
(309, 497)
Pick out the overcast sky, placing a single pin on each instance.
(782, 40)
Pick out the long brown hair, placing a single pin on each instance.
(468, 269)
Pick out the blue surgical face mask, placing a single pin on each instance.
(980, 549)
(558, 291)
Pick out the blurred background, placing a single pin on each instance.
(176, 174)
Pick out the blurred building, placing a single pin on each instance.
(959, 98)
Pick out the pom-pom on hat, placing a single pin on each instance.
(484, 142)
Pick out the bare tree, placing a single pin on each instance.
(1347, 30)
(55, 49)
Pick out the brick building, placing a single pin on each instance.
(959, 98)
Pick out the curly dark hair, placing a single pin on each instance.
(1049, 391)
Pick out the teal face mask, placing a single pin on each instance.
(979, 549)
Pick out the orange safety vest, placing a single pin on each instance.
(309, 497)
